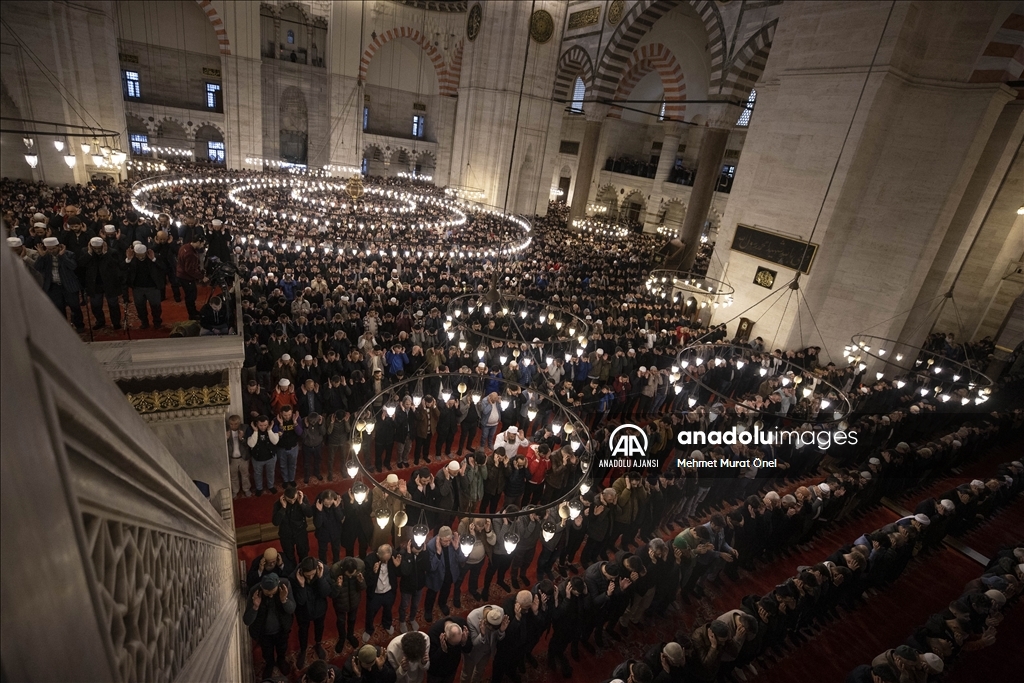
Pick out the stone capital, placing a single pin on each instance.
(596, 111)
(722, 115)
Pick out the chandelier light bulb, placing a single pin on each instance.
(70, 160)
(359, 492)
(445, 395)
(825, 404)
(467, 543)
(58, 144)
(899, 356)
(352, 468)
(504, 402)
(739, 365)
(924, 392)
(511, 541)
(85, 147)
(370, 424)
(584, 487)
(879, 375)
(547, 530)
(419, 534)
(575, 509)
(900, 384)
(698, 361)
(678, 388)
(556, 427)
(32, 160)
(383, 518)
(763, 371)
(691, 401)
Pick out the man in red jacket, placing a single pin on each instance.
(190, 273)
(538, 462)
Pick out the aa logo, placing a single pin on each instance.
(628, 441)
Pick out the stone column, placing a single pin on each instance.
(709, 168)
(669, 150)
(585, 169)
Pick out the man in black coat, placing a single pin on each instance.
(328, 518)
(103, 278)
(311, 592)
(449, 640)
(268, 614)
(270, 562)
(145, 276)
(290, 513)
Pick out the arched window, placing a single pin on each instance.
(748, 109)
(661, 114)
(578, 92)
(291, 37)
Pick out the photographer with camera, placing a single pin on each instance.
(215, 318)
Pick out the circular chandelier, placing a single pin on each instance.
(820, 402)
(535, 330)
(934, 374)
(601, 228)
(563, 422)
(374, 218)
(689, 286)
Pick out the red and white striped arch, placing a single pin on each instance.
(1003, 58)
(433, 54)
(644, 60)
(218, 25)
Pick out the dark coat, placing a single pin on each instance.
(102, 273)
(291, 521)
(311, 599)
(256, 619)
(66, 265)
(348, 595)
(329, 522)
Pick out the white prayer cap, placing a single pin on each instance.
(39, 224)
(923, 519)
(109, 228)
(14, 242)
(307, 357)
(996, 596)
(947, 505)
(933, 662)
(39, 216)
(825, 488)
(284, 382)
(865, 475)
(51, 242)
(96, 242)
(453, 466)
(140, 248)
(513, 430)
(902, 447)
(391, 479)
(285, 357)
(874, 461)
(217, 221)
(977, 483)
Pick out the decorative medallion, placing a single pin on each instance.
(354, 187)
(473, 21)
(542, 26)
(765, 277)
(615, 11)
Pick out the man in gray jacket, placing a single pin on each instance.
(238, 457)
(487, 626)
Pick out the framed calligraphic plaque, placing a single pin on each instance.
(774, 248)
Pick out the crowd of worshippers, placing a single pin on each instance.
(87, 247)
(594, 575)
(969, 623)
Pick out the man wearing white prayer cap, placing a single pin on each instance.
(146, 276)
(100, 268)
(56, 266)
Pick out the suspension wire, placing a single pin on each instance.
(744, 311)
(815, 323)
(849, 129)
(52, 78)
(782, 317)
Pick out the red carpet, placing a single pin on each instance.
(173, 312)
(885, 621)
(1007, 526)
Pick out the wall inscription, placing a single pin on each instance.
(586, 17)
(775, 248)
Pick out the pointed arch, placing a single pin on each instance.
(644, 60)
(748, 64)
(1003, 58)
(415, 36)
(218, 25)
(453, 74)
(638, 22)
(574, 62)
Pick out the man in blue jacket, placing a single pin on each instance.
(445, 567)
